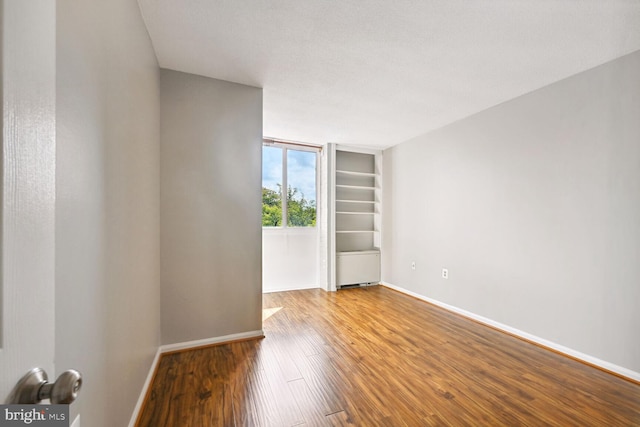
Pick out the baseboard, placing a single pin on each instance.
(145, 389)
(585, 358)
(297, 288)
(170, 348)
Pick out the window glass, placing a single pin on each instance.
(295, 170)
(271, 186)
(301, 188)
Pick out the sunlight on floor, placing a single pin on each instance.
(268, 312)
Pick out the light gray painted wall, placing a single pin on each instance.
(211, 230)
(534, 208)
(107, 208)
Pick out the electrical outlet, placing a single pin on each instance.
(445, 273)
(413, 265)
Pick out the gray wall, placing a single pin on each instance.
(534, 208)
(107, 209)
(211, 150)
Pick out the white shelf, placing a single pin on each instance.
(355, 213)
(355, 201)
(353, 173)
(355, 187)
(355, 231)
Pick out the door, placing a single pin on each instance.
(27, 319)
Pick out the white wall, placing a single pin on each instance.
(211, 233)
(107, 208)
(290, 258)
(326, 234)
(533, 206)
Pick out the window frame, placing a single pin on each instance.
(295, 146)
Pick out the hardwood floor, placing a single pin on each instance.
(375, 357)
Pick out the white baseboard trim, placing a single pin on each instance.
(145, 388)
(619, 370)
(168, 348)
(297, 288)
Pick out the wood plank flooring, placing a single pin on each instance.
(375, 357)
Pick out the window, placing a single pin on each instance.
(271, 186)
(293, 168)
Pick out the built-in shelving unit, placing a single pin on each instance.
(357, 218)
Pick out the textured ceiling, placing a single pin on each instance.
(378, 72)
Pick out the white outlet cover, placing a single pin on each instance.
(445, 273)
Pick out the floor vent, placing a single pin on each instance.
(354, 285)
